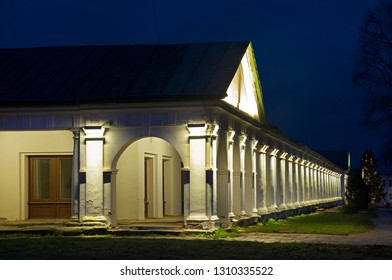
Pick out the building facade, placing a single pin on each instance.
(386, 183)
(112, 134)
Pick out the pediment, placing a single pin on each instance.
(244, 92)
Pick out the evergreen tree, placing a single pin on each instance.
(357, 192)
(370, 175)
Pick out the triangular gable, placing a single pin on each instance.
(244, 92)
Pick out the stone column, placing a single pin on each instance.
(297, 182)
(333, 183)
(197, 168)
(282, 182)
(242, 144)
(314, 183)
(230, 168)
(329, 184)
(320, 183)
(94, 212)
(214, 167)
(274, 180)
(262, 180)
(304, 181)
(75, 203)
(311, 183)
(308, 183)
(290, 183)
(337, 184)
(325, 186)
(254, 177)
(185, 178)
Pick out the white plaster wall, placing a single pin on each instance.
(130, 179)
(15, 148)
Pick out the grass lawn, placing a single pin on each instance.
(325, 222)
(128, 248)
(215, 246)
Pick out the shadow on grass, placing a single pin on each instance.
(118, 248)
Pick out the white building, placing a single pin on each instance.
(110, 134)
(386, 183)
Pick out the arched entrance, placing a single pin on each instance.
(148, 181)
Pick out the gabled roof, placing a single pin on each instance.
(87, 74)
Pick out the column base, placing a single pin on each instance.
(74, 219)
(94, 221)
(283, 206)
(202, 222)
(89, 221)
(290, 206)
(273, 208)
(262, 210)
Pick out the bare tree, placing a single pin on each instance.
(373, 65)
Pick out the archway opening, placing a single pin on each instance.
(148, 182)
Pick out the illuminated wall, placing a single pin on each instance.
(242, 92)
(16, 146)
(130, 180)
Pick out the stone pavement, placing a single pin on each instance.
(381, 235)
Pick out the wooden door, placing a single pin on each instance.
(50, 183)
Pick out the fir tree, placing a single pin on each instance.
(357, 192)
(370, 175)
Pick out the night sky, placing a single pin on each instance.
(304, 50)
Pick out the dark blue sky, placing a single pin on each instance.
(304, 50)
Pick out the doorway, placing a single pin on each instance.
(165, 183)
(148, 183)
(50, 183)
(148, 187)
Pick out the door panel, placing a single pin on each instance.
(41, 179)
(65, 170)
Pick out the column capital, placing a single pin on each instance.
(274, 152)
(283, 155)
(243, 138)
(197, 130)
(254, 144)
(320, 168)
(297, 160)
(214, 129)
(291, 158)
(94, 132)
(76, 132)
(263, 148)
(230, 136)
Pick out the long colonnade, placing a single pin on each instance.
(256, 175)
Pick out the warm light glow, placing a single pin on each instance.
(94, 132)
(241, 92)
